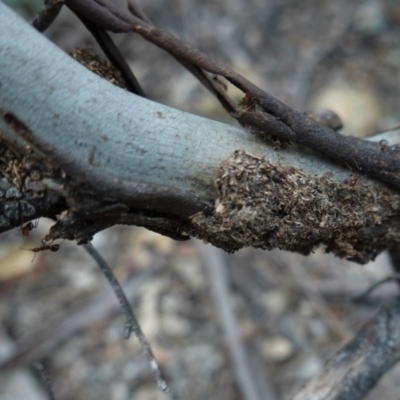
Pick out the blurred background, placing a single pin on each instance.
(290, 312)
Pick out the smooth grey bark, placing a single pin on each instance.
(129, 137)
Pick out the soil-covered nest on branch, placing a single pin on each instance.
(269, 206)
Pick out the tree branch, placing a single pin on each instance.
(107, 156)
(373, 159)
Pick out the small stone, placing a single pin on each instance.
(357, 107)
(310, 367)
(278, 349)
(176, 326)
(275, 301)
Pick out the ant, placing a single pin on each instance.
(51, 247)
(25, 229)
(44, 246)
(354, 180)
(356, 175)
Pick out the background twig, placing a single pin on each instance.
(214, 263)
(356, 368)
(131, 325)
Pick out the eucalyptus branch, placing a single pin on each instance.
(370, 158)
(94, 155)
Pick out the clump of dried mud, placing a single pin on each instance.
(269, 206)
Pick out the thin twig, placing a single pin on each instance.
(47, 16)
(45, 380)
(213, 85)
(339, 27)
(363, 296)
(38, 344)
(85, 10)
(216, 269)
(114, 56)
(394, 255)
(356, 368)
(334, 324)
(131, 324)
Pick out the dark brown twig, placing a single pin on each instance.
(114, 56)
(364, 295)
(76, 227)
(113, 19)
(47, 16)
(208, 82)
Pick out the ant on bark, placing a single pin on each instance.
(51, 247)
(25, 229)
(354, 180)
